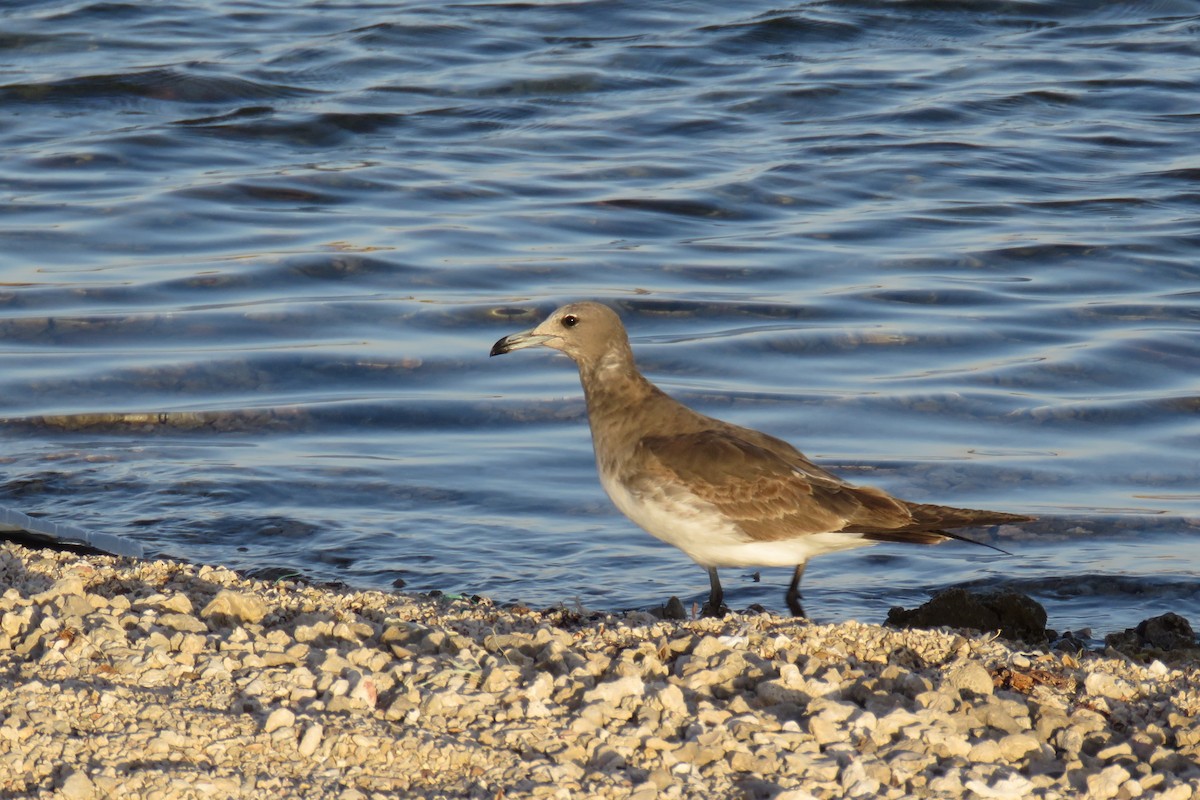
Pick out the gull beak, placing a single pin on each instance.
(519, 341)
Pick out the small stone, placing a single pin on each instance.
(14, 623)
(63, 586)
(645, 791)
(856, 782)
(1130, 789)
(670, 697)
(995, 715)
(944, 743)
(334, 664)
(835, 710)
(1049, 720)
(1011, 787)
(279, 718)
(75, 605)
(985, 752)
(1115, 751)
(777, 692)
(1180, 791)
(1107, 782)
(311, 739)
(500, 678)
(709, 646)
(241, 606)
(825, 731)
(365, 691)
(795, 794)
(970, 676)
(312, 633)
(613, 692)
(942, 701)
(951, 784)
(192, 643)
(1187, 733)
(1068, 739)
(1016, 746)
(540, 687)
(183, 622)
(78, 786)
(179, 603)
(1101, 684)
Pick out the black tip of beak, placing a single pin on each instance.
(499, 348)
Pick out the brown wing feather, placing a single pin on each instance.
(949, 517)
(771, 491)
(928, 518)
(768, 495)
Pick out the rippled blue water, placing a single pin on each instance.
(253, 255)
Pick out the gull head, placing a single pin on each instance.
(587, 332)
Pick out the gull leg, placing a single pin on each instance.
(715, 607)
(793, 593)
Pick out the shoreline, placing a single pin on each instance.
(162, 678)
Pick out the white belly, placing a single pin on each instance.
(698, 529)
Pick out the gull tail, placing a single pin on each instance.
(929, 523)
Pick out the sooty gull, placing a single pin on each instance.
(725, 495)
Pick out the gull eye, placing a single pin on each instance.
(570, 320)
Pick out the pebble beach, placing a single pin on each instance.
(160, 679)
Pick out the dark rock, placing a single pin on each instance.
(1167, 632)
(1069, 642)
(672, 610)
(1162, 634)
(1015, 615)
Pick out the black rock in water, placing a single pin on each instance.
(1017, 616)
(1167, 633)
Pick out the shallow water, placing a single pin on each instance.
(252, 258)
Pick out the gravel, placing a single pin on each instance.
(161, 679)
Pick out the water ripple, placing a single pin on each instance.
(252, 257)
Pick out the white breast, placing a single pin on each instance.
(679, 518)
